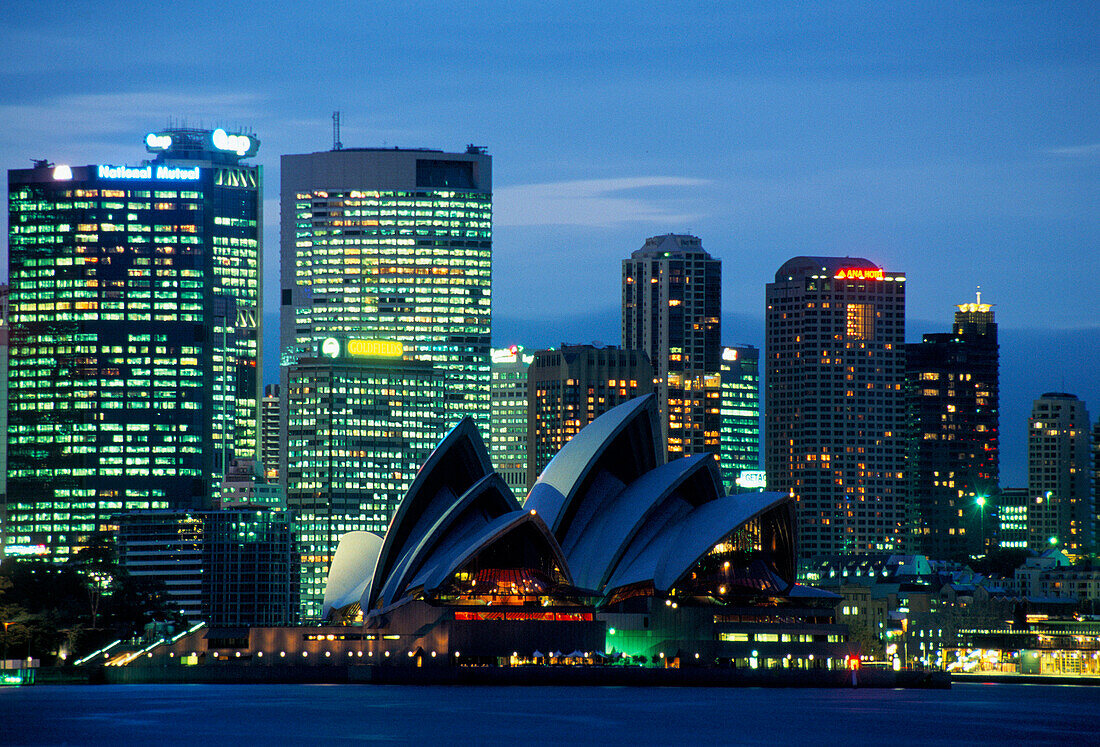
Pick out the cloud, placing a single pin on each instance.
(74, 122)
(1076, 151)
(594, 202)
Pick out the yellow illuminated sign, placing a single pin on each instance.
(376, 348)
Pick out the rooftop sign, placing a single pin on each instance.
(242, 145)
(167, 173)
(858, 273)
(331, 348)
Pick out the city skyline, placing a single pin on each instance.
(853, 130)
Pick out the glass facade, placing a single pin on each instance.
(411, 263)
(508, 416)
(359, 430)
(739, 371)
(134, 355)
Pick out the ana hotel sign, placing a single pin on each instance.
(858, 273)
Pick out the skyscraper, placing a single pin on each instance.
(834, 402)
(134, 355)
(362, 421)
(570, 387)
(1058, 472)
(951, 434)
(671, 310)
(508, 416)
(392, 244)
(739, 429)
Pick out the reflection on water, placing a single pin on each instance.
(279, 714)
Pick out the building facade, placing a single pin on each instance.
(134, 356)
(739, 429)
(834, 403)
(671, 310)
(392, 244)
(166, 547)
(951, 434)
(508, 416)
(250, 568)
(1011, 507)
(362, 421)
(269, 434)
(1058, 471)
(570, 387)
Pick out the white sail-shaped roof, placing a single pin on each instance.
(351, 570)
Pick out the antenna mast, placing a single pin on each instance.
(336, 144)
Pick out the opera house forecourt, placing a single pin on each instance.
(614, 554)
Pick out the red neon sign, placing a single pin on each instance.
(502, 615)
(852, 273)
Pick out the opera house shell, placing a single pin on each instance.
(614, 551)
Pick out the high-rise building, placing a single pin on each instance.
(739, 425)
(508, 416)
(363, 419)
(671, 310)
(1058, 471)
(392, 244)
(3, 410)
(165, 546)
(1096, 482)
(951, 435)
(250, 570)
(570, 387)
(228, 568)
(269, 434)
(834, 402)
(134, 355)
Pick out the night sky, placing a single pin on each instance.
(959, 144)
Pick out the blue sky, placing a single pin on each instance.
(959, 143)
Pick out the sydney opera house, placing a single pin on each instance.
(615, 553)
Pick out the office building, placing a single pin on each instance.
(671, 310)
(392, 244)
(951, 435)
(164, 547)
(269, 434)
(1058, 471)
(3, 409)
(244, 486)
(362, 420)
(250, 569)
(1011, 507)
(739, 424)
(508, 416)
(228, 568)
(834, 406)
(570, 387)
(134, 304)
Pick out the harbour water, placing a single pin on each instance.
(346, 714)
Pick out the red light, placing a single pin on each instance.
(852, 273)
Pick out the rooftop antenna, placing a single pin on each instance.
(336, 144)
(979, 295)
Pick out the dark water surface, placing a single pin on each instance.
(124, 715)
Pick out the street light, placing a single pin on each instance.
(980, 500)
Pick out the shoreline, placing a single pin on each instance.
(580, 676)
